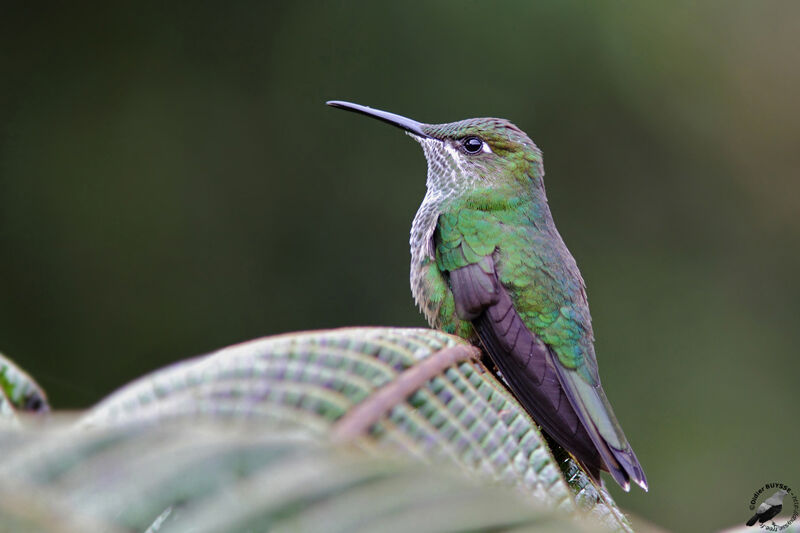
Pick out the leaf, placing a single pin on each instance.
(19, 391)
(231, 476)
(310, 381)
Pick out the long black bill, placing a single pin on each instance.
(390, 118)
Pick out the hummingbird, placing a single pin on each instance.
(488, 265)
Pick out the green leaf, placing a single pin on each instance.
(309, 382)
(214, 476)
(18, 390)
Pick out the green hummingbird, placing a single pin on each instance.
(488, 265)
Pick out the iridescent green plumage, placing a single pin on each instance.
(546, 294)
(488, 264)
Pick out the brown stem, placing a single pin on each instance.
(361, 417)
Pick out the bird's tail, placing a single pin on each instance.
(594, 411)
(753, 520)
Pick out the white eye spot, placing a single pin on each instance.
(486, 149)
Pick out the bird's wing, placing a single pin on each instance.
(523, 359)
(555, 397)
(770, 513)
(572, 410)
(764, 507)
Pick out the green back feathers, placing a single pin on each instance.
(546, 293)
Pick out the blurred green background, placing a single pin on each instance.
(171, 182)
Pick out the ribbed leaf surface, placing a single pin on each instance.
(241, 477)
(309, 381)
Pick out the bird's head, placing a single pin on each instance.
(469, 153)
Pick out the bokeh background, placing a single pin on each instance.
(171, 183)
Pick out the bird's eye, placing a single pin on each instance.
(472, 145)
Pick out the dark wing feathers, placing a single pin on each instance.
(526, 366)
(522, 358)
(477, 290)
(770, 513)
(544, 387)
